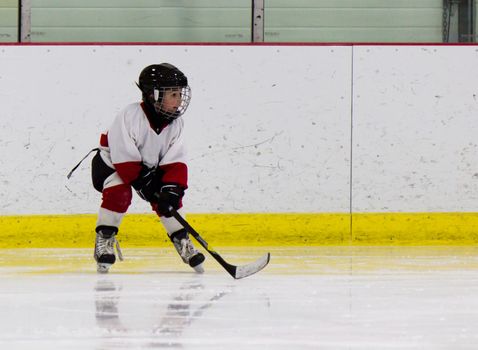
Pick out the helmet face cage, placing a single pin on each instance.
(166, 89)
(170, 102)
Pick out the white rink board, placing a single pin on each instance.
(415, 118)
(268, 128)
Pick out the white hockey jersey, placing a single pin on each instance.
(133, 140)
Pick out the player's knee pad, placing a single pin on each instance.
(117, 198)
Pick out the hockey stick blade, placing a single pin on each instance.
(235, 271)
(252, 268)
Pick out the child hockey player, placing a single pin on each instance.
(144, 150)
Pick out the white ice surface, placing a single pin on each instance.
(315, 298)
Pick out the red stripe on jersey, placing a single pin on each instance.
(104, 140)
(175, 173)
(117, 198)
(128, 171)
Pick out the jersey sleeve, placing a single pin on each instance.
(125, 155)
(174, 162)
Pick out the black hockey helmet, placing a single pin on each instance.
(156, 80)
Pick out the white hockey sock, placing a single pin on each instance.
(171, 224)
(108, 217)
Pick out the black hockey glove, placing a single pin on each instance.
(146, 185)
(169, 196)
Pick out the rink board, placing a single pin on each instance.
(137, 230)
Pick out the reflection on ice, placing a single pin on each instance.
(165, 318)
(307, 298)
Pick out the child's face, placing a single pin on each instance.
(171, 100)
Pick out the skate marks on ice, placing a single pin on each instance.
(308, 298)
(136, 260)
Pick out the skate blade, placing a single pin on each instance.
(103, 268)
(199, 268)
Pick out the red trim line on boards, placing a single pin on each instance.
(234, 44)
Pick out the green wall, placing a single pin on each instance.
(226, 20)
(142, 20)
(8, 20)
(354, 20)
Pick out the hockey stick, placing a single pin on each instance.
(235, 271)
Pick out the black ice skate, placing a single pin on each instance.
(105, 248)
(186, 250)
